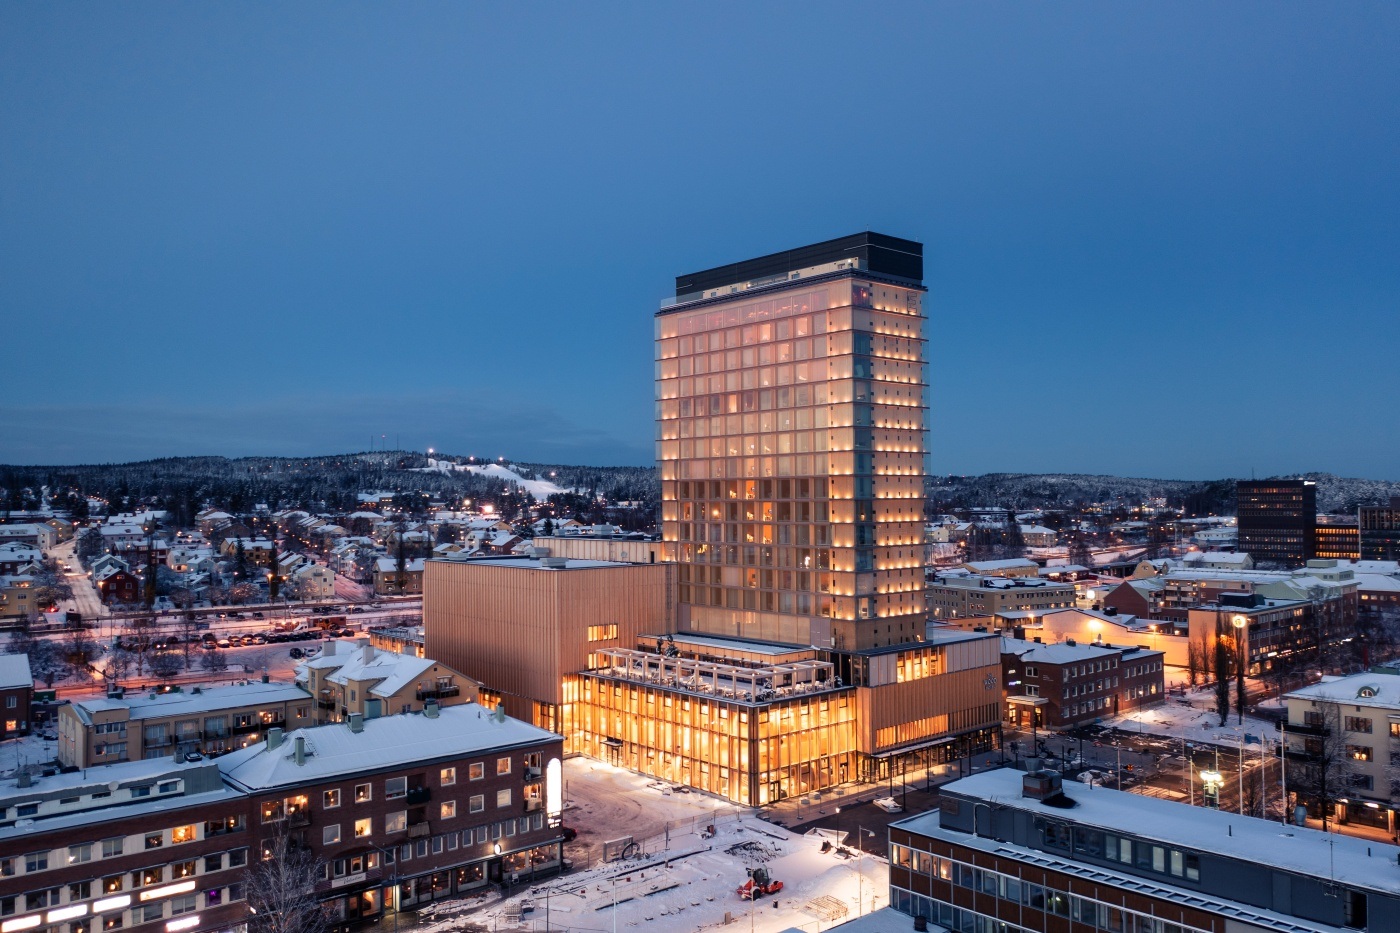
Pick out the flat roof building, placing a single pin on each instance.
(1277, 520)
(1014, 851)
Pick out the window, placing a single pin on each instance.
(77, 854)
(237, 858)
(148, 912)
(363, 794)
(1359, 752)
(602, 632)
(214, 862)
(79, 891)
(112, 847)
(148, 876)
(447, 777)
(476, 771)
(396, 822)
(503, 797)
(363, 828)
(141, 790)
(394, 788)
(112, 922)
(36, 861)
(272, 811)
(1358, 724)
(476, 804)
(502, 766)
(182, 870)
(112, 884)
(330, 799)
(183, 904)
(330, 835)
(182, 834)
(449, 809)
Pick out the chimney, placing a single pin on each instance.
(300, 750)
(265, 678)
(23, 779)
(329, 650)
(430, 709)
(357, 722)
(366, 652)
(274, 738)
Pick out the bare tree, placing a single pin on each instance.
(1322, 772)
(281, 889)
(214, 661)
(1222, 671)
(1193, 662)
(79, 650)
(165, 663)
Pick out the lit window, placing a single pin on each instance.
(362, 828)
(447, 777)
(503, 797)
(449, 809)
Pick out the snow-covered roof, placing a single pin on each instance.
(1348, 859)
(14, 671)
(392, 671)
(388, 565)
(1057, 653)
(335, 751)
(987, 566)
(1383, 690)
(187, 702)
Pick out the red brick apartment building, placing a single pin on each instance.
(402, 810)
(1069, 684)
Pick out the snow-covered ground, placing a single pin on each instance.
(1193, 718)
(28, 750)
(691, 886)
(539, 488)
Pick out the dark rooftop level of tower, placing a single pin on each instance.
(878, 254)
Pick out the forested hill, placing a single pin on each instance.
(330, 483)
(1199, 497)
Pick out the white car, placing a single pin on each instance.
(888, 804)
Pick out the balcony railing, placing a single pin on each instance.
(299, 819)
(419, 795)
(1316, 729)
(418, 830)
(438, 693)
(325, 704)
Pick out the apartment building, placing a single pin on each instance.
(1067, 684)
(357, 677)
(1354, 724)
(1009, 851)
(16, 695)
(409, 808)
(184, 720)
(958, 594)
(152, 846)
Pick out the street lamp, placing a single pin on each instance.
(1211, 792)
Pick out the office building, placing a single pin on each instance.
(1380, 530)
(790, 436)
(957, 594)
(1277, 520)
(1071, 683)
(1338, 541)
(1009, 851)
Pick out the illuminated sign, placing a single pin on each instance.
(67, 913)
(184, 923)
(554, 788)
(180, 888)
(111, 903)
(22, 923)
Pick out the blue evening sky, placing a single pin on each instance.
(1161, 239)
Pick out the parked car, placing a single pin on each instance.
(297, 653)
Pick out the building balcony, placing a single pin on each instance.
(247, 729)
(1302, 729)
(533, 803)
(326, 704)
(300, 819)
(418, 795)
(418, 830)
(439, 693)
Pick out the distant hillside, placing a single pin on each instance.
(1044, 490)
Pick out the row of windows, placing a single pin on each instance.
(113, 914)
(958, 920)
(116, 846)
(109, 890)
(1146, 856)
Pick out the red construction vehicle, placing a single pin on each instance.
(760, 883)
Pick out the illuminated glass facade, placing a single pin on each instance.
(790, 439)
